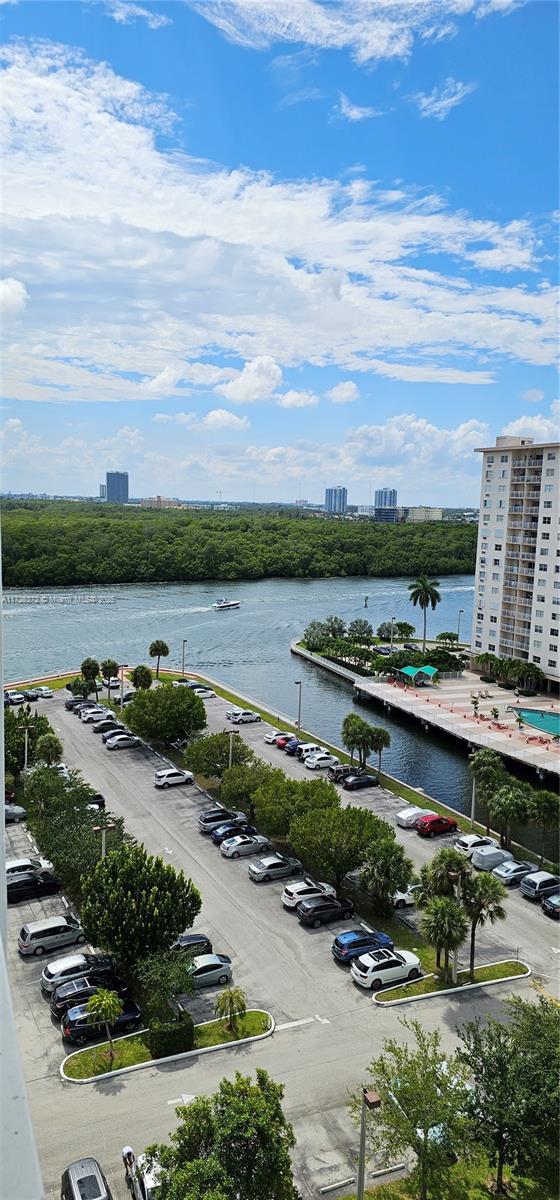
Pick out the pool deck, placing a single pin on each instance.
(446, 706)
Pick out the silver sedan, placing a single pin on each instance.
(244, 843)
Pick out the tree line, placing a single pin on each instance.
(55, 543)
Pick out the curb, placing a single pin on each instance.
(464, 987)
(156, 1062)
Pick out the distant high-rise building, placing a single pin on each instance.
(336, 500)
(386, 498)
(102, 491)
(386, 514)
(117, 487)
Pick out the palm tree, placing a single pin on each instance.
(424, 592)
(445, 925)
(231, 1003)
(487, 663)
(106, 1007)
(109, 670)
(158, 649)
(489, 774)
(482, 897)
(544, 810)
(48, 749)
(350, 733)
(90, 671)
(511, 803)
(380, 739)
(141, 677)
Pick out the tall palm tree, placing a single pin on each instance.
(48, 749)
(106, 1006)
(489, 774)
(380, 739)
(231, 1003)
(350, 733)
(510, 804)
(445, 925)
(109, 668)
(158, 649)
(482, 897)
(424, 592)
(544, 810)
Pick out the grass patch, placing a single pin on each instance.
(130, 1051)
(467, 1181)
(421, 987)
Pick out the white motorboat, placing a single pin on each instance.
(222, 604)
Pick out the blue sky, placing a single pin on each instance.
(267, 248)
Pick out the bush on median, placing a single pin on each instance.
(171, 1037)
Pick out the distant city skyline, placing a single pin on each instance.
(386, 498)
(250, 255)
(336, 500)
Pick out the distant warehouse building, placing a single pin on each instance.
(159, 502)
(423, 512)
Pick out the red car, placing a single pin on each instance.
(282, 740)
(430, 826)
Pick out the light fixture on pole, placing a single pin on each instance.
(103, 829)
(298, 683)
(461, 611)
(392, 629)
(122, 670)
(183, 667)
(370, 1102)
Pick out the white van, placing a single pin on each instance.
(308, 748)
(488, 857)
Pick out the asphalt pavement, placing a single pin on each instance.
(326, 1028)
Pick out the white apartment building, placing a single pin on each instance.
(517, 585)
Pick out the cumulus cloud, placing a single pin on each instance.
(532, 396)
(125, 13)
(353, 112)
(257, 381)
(298, 400)
(539, 427)
(13, 297)
(343, 393)
(220, 418)
(442, 100)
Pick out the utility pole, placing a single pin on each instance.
(184, 644)
(370, 1101)
(298, 683)
(461, 611)
(392, 630)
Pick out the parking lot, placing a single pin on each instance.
(326, 1027)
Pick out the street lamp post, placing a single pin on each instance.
(122, 669)
(298, 683)
(183, 668)
(461, 611)
(231, 735)
(455, 877)
(392, 627)
(103, 829)
(370, 1102)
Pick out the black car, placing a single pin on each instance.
(30, 695)
(97, 799)
(196, 943)
(354, 942)
(79, 991)
(31, 885)
(79, 1026)
(128, 696)
(71, 702)
(228, 830)
(106, 724)
(411, 647)
(109, 733)
(383, 650)
(353, 783)
(319, 909)
(551, 906)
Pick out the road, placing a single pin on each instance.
(281, 966)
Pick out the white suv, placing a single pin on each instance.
(380, 967)
(244, 716)
(171, 776)
(294, 893)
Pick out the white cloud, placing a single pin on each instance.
(343, 393)
(539, 427)
(220, 418)
(371, 30)
(298, 400)
(301, 96)
(162, 418)
(440, 102)
(13, 297)
(532, 396)
(125, 13)
(257, 381)
(353, 112)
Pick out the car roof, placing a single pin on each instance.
(59, 964)
(206, 960)
(538, 876)
(41, 926)
(270, 858)
(486, 850)
(315, 901)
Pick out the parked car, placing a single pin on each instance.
(270, 736)
(408, 817)
(245, 716)
(80, 990)
(14, 697)
(244, 843)
(511, 873)
(126, 699)
(107, 725)
(539, 884)
(110, 733)
(85, 705)
(319, 762)
(61, 769)
(551, 906)
(382, 967)
(307, 748)
(40, 937)
(488, 857)
(31, 885)
(93, 714)
(410, 647)
(208, 969)
(14, 866)
(318, 910)
(171, 777)
(407, 898)
(291, 747)
(13, 813)
(212, 817)
(96, 799)
(122, 741)
(61, 970)
(274, 866)
(71, 702)
(468, 842)
(204, 693)
(294, 893)
(282, 740)
(79, 1026)
(230, 829)
(355, 783)
(30, 695)
(434, 825)
(45, 693)
(341, 770)
(354, 942)
(193, 943)
(84, 1178)
(383, 650)
(112, 683)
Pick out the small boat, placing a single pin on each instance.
(221, 604)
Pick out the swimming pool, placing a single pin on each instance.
(547, 722)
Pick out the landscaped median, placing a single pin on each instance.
(133, 1051)
(434, 985)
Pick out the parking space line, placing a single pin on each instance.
(294, 1024)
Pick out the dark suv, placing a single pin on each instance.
(340, 772)
(79, 1026)
(319, 909)
(194, 943)
(79, 991)
(353, 942)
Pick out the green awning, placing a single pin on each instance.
(413, 672)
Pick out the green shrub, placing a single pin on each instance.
(171, 1037)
